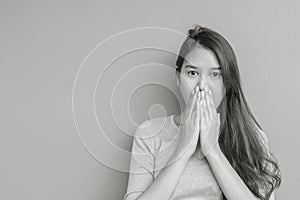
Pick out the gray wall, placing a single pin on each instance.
(43, 44)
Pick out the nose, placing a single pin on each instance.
(202, 83)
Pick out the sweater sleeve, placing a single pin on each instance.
(141, 173)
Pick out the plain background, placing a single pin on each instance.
(43, 43)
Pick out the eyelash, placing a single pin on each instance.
(191, 71)
(211, 73)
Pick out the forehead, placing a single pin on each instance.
(201, 58)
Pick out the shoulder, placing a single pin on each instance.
(152, 127)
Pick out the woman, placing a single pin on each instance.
(215, 149)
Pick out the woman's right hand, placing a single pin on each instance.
(190, 128)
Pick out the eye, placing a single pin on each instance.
(192, 73)
(216, 74)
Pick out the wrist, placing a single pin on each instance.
(181, 156)
(215, 151)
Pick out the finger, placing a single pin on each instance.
(192, 93)
(205, 107)
(200, 109)
(193, 115)
(201, 112)
(191, 104)
(214, 111)
(197, 117)
(208, 102)
(212, 102)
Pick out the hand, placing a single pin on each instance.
(209, 123)
(190, 128)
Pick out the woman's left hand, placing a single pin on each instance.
(209, 123)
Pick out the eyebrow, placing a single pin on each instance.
(191, 66)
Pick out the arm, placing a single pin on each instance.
(232, 185)
(141, 182)
(230, 182)
(165, 183)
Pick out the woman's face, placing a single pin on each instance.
(201, 68)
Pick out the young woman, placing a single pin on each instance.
(215, 149)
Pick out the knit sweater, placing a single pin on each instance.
(154, 142)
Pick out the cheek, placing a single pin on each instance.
(186, 88)
(217, 95)
(185, 92)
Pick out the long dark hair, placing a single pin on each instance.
(242, 139)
